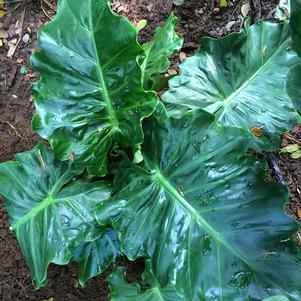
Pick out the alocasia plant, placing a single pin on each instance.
(241, 79)
(197, 206)
(90, 95)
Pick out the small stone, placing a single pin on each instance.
(216, 10)
(3, 34)
(74, 282)
(182, 56)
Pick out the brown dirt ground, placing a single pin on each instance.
(196, 19)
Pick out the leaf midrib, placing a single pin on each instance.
(249, 81)
(104, 90)
(163, 182)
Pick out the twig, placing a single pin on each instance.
(44, 11)
(50, 5)
(17, 133)
(289, 137)
(273, 163)
(12, 50)
(7, 59)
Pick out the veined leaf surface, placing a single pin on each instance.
(165, 43)
(202, 211)
(48, 211)
(90, 95)
(93, 257)
(241, 79)
(120, 290)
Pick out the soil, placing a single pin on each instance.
(196, 19)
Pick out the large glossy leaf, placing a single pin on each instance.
(48, 211)
(121, 290)
(202, 211)
(294, 75)
(293, 86)
(165, 43)
(90, 94)
(241, 79)
(93, 257)
(295, 24)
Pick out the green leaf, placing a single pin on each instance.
(95, 256)
(90, 95)
(223, 3)
(290, 148)
(165, 43)
(241, 79)
(296, 155)
(293, 86)
(202, 211)
(295, 24)
(276, 298)
(49, 212)
(120, 290)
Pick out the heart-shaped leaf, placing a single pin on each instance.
(202, 211)
(90, 95)
(241, 79)
(49, 212)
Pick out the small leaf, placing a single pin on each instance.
(296, 155)
(178, 2)
(23, 70)
(141, 24)
(299, 213)
(223, 3)
(165, 43)
(290, 148)
(230, 25)
(245, 9)
(257, 132)
(2, 13)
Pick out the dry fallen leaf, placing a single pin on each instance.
(2, 13)
(172, 72)
(230, 25)
(299, 213)
(182, 56)
(245, 9)
(257, 132)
